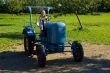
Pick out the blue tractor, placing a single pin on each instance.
(51, 40)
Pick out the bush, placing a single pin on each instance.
(60, 6)
(81, 6)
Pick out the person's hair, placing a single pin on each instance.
(43, 12)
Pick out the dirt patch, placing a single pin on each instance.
(97, 51)
(96, 60)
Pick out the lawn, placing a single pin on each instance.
(96, 28)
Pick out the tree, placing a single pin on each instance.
(15, 6)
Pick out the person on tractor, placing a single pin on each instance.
(42, 18)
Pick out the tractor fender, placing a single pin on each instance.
(29, 31)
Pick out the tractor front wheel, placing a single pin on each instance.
(77, 51)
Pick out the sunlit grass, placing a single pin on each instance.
(96, 28)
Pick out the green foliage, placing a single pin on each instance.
(3, 7)
(105, 6)
(60, 6)
(81, 6)
(14, 6)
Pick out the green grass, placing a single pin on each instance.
(96, 28)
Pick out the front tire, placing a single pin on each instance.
(77, 51)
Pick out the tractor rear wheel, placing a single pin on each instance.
(77, 51)
(28, 45)
(41, 56)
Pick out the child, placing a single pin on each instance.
(42, 18)
(43, 15)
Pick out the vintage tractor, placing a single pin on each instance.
(51, 40)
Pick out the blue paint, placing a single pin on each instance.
(29, 31)
(56, 33)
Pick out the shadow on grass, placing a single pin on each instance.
(15, 35)
(7, 25)
(1, 18)
(17, 61)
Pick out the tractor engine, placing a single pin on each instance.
(55, 37)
